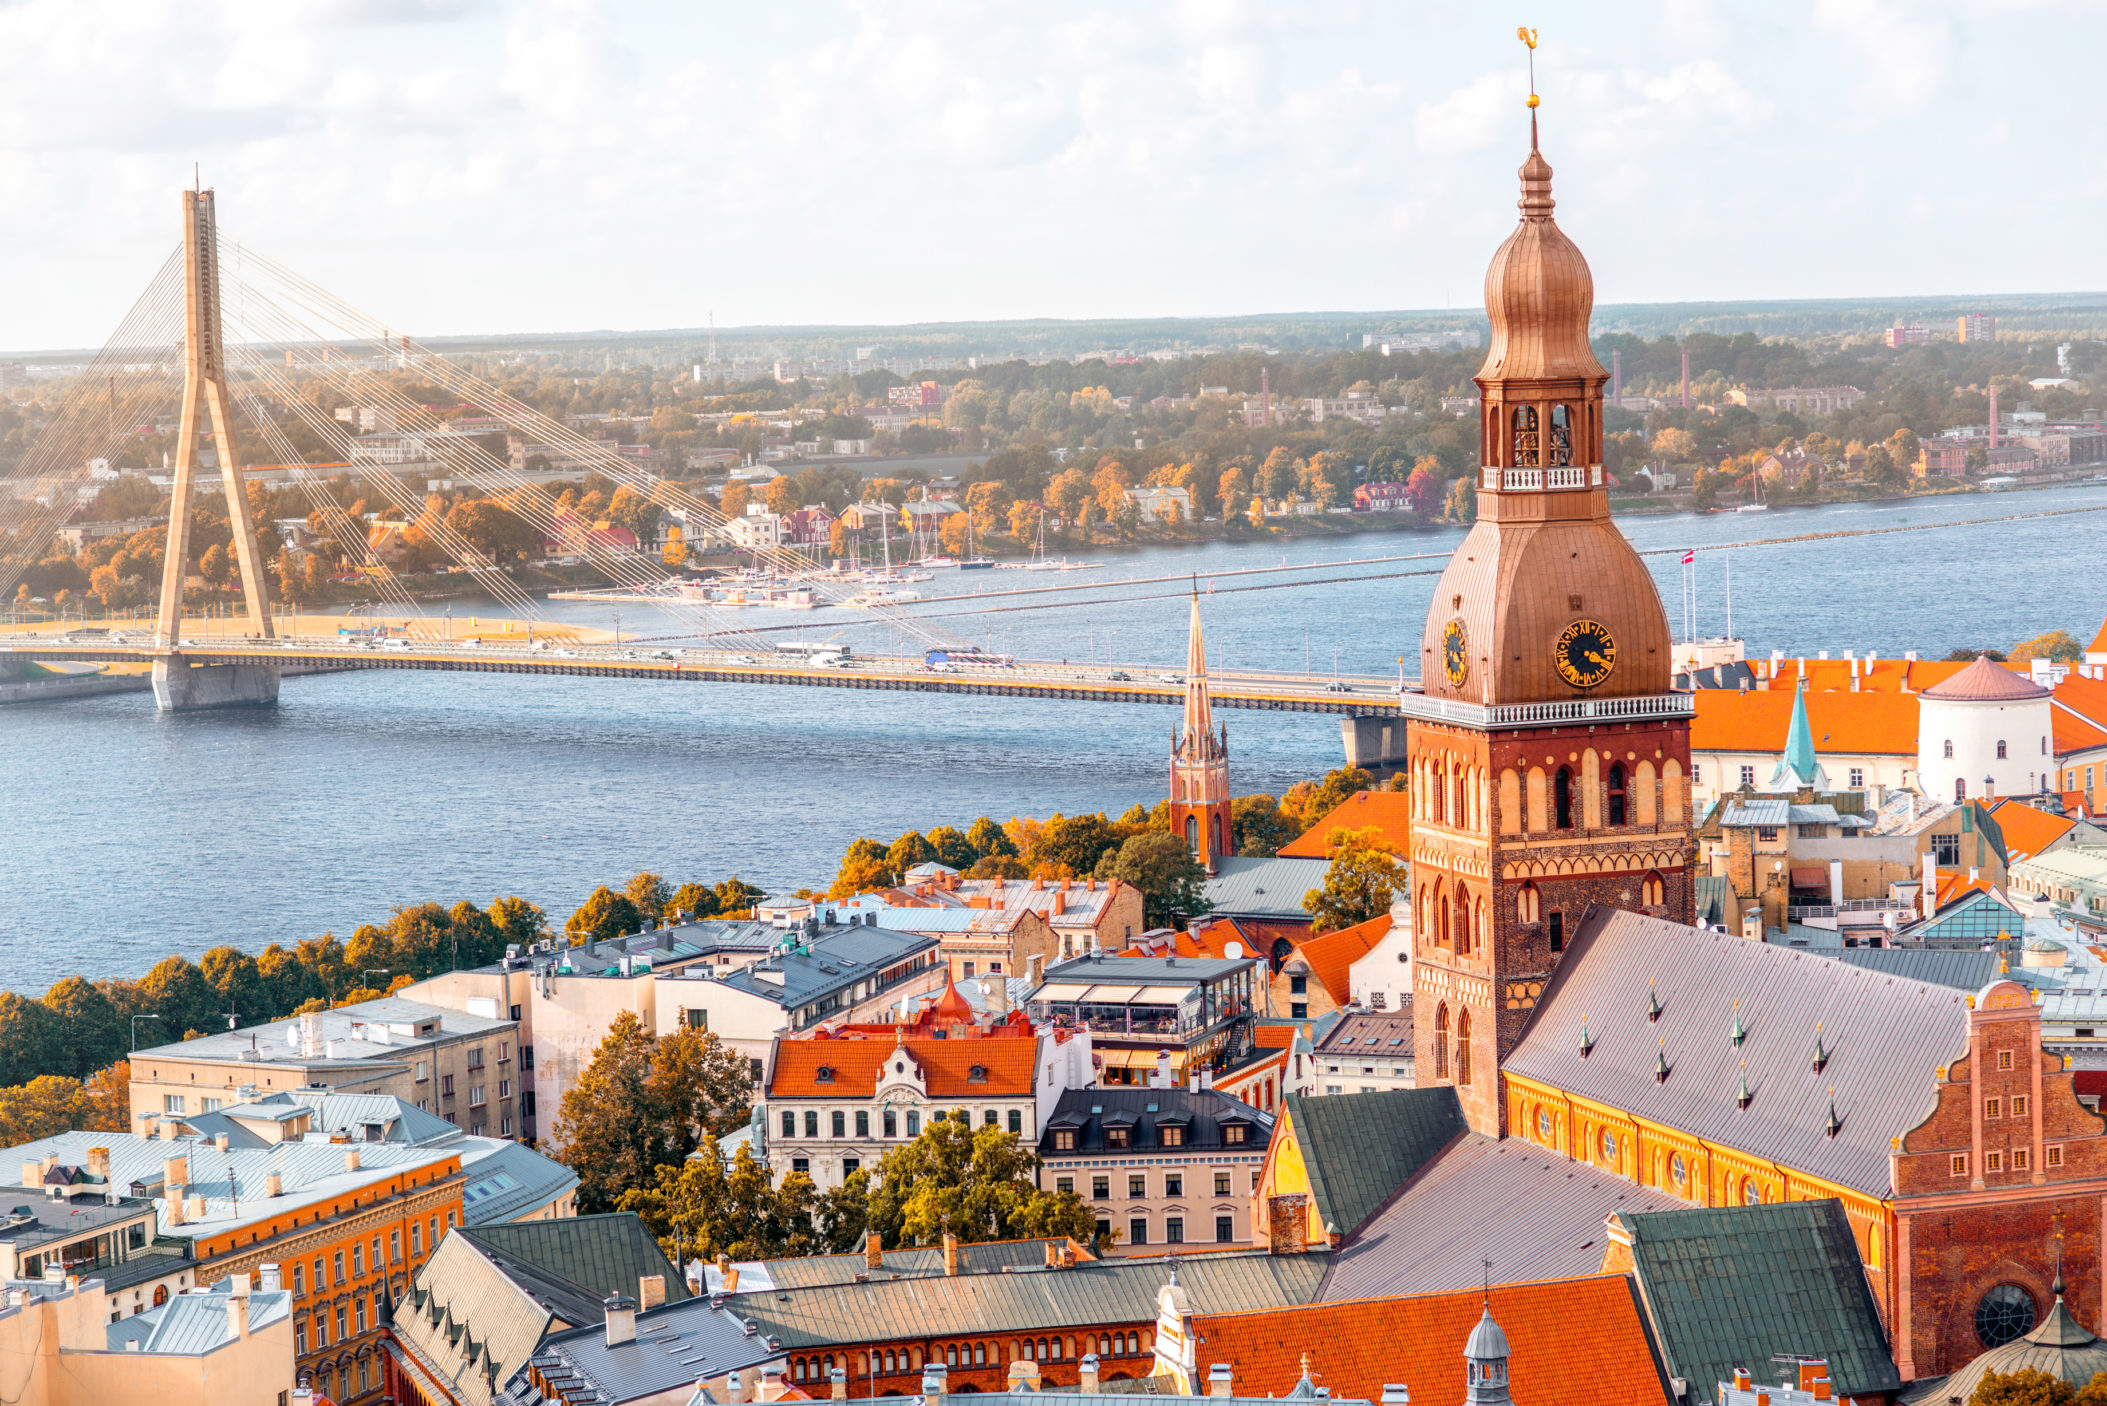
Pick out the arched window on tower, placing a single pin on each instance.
(1561, 447)
(1616, 807)
(1221, 841)
(1463, 1048)
(1441, 914)
(1652, 890)
(1949, 749)
(1562, 799)
(1960, 789)
(1192, 833)
(1529, 904)
(1441, 1041)
(1462, 927)
(2000, 749)
(1525, 437)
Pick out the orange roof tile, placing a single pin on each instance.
(2099, 641)
(1331, 955)
(946, 1065)
(2079, 714)
(1756, 721)
(1275, 1037)
(2027, 829)
(1388, 811)
(1884, 675)
(1357, 1347)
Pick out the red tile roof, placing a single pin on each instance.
(1756, 721)
(1573, 1342)
(1985, 682)
(1334, 953)
(2027, 829)
(946, 1066)
(1388, 811)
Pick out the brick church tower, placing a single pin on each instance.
(1200, 763)
(1548, 759)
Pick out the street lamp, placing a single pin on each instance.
(135, 1026)
(374, 971)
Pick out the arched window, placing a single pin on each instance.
(1463, 1048)
(1192, 833)
(1525, 445)
(2000, 749)
(1616, 793)
(1949, 749)
(1221, 841)
(1960, 789)
(1652, 890)
(1441, 1041)
(1561, 448)
(1562, 799)
(1441, 915)
(1529, 904)
(1420, 924)
(1462, 927)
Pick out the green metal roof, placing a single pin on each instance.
(1736, 1286)
(1360, 1148)
(600, 1255)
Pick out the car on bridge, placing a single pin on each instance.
(1120, 676)
(1170, 678)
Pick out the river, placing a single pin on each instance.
(126, 834)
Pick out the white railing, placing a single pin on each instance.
(1660, 705)
(1565, 476)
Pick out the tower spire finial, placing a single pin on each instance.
(1528, 36)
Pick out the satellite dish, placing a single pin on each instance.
(1235, 951)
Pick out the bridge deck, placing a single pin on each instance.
(1348, 695)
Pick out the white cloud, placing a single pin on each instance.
(1474, 116)
(1904, 50)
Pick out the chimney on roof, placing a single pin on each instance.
(1024, 1376)
(1086, 1375)
(175, 1173)
(1394, 1394)
(731, 1279)
(351, 1160)
(273, 1184)
(1220, 1380)
(838, 1382)
(311, 1035)
(933, 1375)
(771, 1383)
(735, 1388)
(950, 1255)
(873, 1250)
(238, 1315)
(621, 1320)
(194, 1207)
(99, 1162)
(33, 1175)
(219, 1140)
(1930, 895)
(1053, 1255)
(269, 1278)
(650, 1291)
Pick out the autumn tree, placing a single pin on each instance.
(2027, 1386)
(644, 1103)
(1071, 845)
(604, 914)
(1423, 488)
(989, 838)
(708, 1205)
(648, 893)
(1257, 828)
(1364, 875)
(863, 868)
(976, 1185)
(2057, 645)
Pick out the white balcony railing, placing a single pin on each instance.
(1575, 710)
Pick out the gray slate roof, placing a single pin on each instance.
(674, 1346)
(1198, 1113)
(1962, 970)
(464, 1310)
(398, 1119)
(1088, 1294)
(836, 959)
(572, 1263)
(1149, 971)
(1264, 888)
(508, 1180)
(269, 1043)
(1360, 1148)
(811, 1271)
(1535, 1214)
(1885, 1036)
(1737, 1286)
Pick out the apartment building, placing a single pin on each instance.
(456, 1065)
(1366, 1052)
(1161, 1167)
(1082, 913)
(66, 1344)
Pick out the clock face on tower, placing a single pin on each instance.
(1585, 654)
(1455, 652)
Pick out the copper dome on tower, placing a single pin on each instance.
(1538, 291)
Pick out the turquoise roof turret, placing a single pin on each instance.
(1798, 767)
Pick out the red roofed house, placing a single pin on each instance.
(841, 1099)
(1358, 1348)
(1387, 811)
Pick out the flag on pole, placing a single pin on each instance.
(1689, 556)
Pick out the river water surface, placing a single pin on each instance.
(126, 834)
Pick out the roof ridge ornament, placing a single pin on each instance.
(1742, 1096)
(1821, 1055)
(1660, 1063)
(1737, 1034)
(1835, 1124)
(1587, 1041)
(1653, 1001)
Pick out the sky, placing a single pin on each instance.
(467, 166)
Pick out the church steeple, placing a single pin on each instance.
(1200, 810)
(1799, 767)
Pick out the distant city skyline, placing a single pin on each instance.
(564, 165)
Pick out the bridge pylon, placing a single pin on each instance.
(177, 685)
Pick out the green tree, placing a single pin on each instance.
(517, 920)
(237, 986)
(906, 852)
(999, 866)
(1159, 864)
(2057, 645)
(1257, 828)
(179, 993)
(735, 895)
(1704, 490)
(285, 980)
(1306, 802)
(648, 893)
(703, 1208)
(865, 867)
(2028, 1386)
(1073, 844)
(1460, 504)
(1364, 875)
(976, 1185)
(644, 1103)
(951, 847)
(988, 838)
(95, 1032)
(48, 1105)
(604, 914)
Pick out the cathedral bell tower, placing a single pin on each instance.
(1200, 763)
(1548, 758)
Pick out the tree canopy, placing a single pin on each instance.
(1364, 875)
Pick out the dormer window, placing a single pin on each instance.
(1172, 1135)
(1116, 1137)
(978, 1074)
(1233, 1134)
(1064, 1139)
(824, 1074)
